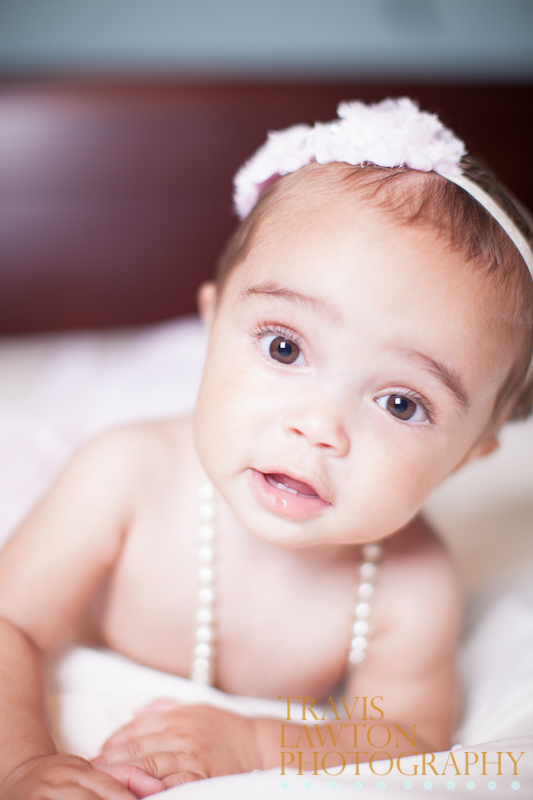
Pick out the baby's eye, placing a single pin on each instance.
(402, 407)
(281, 349)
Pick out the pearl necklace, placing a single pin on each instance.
(370, 557)
(203, 660)
(202, 670)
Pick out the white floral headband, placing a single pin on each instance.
(392, 133)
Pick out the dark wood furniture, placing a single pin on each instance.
(115, 197)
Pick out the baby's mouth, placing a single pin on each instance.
(285, 495)
(280, 481)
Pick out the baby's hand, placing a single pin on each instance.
(66, 777)
(179, 743)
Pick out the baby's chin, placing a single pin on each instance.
(264, 523)
(290, 532)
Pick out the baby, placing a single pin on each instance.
(370, 331)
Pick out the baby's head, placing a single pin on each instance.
(371, 330)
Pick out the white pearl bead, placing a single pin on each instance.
(206, 511)
(201, 668)
(356, 656)
(206, 575)
(206, 491)
(368, 570)
(372, 552)
(206, 553)
(362, 610)
(205, 596)
(200, 676)
(366, 590)
(206, 533)
(361, 628)
(359, 643)
(203, 634)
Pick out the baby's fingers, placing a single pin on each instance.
(106, 788)
(61, 778)
(133, 778)
(130, 750)
(163, 764)
(178, 778)
(143, 725)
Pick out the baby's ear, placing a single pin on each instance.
(484, 448)
(207, 301)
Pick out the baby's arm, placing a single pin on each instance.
(47, 572)
(410, 663)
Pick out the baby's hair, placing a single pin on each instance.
(426, 199)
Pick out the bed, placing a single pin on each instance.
(115, 200)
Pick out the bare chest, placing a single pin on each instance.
(282, 620)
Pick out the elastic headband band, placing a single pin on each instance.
(484, 199)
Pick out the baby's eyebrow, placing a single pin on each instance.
(447, 376)
(270, 289)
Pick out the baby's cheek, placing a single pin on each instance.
(221, 421)
(388, 488)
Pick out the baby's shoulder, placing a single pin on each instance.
(418, 551)
(124, 467)
(137, 448)
(419, 584)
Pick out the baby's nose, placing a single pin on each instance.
(321, 427)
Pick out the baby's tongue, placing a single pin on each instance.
(298, 486)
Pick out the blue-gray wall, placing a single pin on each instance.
(450, 39)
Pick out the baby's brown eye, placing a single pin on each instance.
(401, 407)
(283, 350)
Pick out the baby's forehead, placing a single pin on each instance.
(303, 200)
(344, 249)
(299, 205)
(311, 215)
(319, 217)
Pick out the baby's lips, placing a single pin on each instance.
(156, 706)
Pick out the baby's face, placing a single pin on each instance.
(352, 365)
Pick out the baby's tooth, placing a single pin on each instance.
(287, 488)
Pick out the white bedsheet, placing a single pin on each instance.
(92, 693)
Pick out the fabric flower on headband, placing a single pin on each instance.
(392, 133)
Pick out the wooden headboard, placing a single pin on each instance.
(115, 197)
